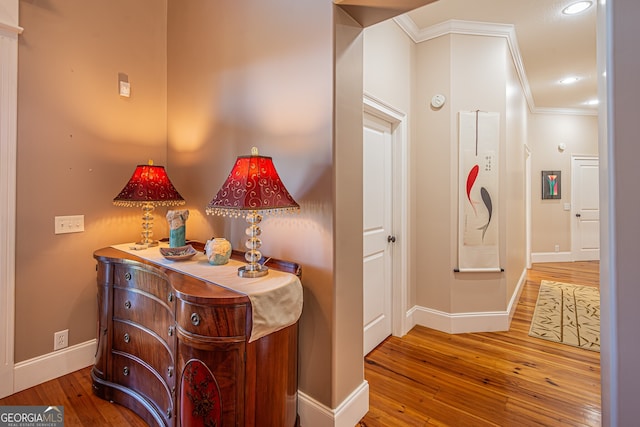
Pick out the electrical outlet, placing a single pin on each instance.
(60, 340)
(557, 248)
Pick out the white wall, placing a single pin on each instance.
(473, 73)
(620, 203)
(389, 56)
(551, 224)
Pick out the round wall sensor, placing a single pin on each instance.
(437, 101)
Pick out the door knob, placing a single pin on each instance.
(578, 215)
(391, 239)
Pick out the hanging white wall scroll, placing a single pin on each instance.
(478, 230)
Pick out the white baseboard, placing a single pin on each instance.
(456, 323)
(53, 365)
(551, 257)
(347, 414)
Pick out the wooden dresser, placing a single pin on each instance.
(175, 348)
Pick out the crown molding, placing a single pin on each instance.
(485, 29)
(569, 111)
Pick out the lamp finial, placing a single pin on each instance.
(254, 151)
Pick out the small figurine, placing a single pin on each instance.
(177, 227)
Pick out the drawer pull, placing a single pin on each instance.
(169, 413)
(127, 338)
(170, 298)
(195, 319)
(170, 372)
(125, 371)
(171, 331)
(127, 276)
(127, 304)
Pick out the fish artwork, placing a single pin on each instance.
(486, 199)
(471, 179)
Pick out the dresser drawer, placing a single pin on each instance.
(134, 375)
(146, 280)
(212, 320)
(133, 339)
(145, 310)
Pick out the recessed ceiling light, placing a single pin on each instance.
(577, 7)
(569, 80)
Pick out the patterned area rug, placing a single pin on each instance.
(568, 314)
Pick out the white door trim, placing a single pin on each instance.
(400, 215)
(527, 201)
(9, 31)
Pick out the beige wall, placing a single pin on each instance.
(550, 223)
(473, 73)
(430, 155)
(252, 75)
(78, 144)
(517, 120)
(348, 370)
(273, 88)
(389, 58)
(388, 62)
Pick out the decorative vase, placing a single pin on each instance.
(177, 220)
(218, 251)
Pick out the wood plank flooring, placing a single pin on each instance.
(81, 407)
(488, 379)
(428, 378)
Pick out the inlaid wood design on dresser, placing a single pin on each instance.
(168, 341)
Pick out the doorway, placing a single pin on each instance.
(386, 235)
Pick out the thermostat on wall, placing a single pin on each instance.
(438, 100)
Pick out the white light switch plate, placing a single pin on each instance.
(69, 224)
(125, 89)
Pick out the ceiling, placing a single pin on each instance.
(547, 45)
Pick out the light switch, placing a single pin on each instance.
(125, 89)
(69, 224)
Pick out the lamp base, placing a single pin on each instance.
(253, 271)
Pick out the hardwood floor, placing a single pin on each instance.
(81, 407)
(488, 379)
(431, 378)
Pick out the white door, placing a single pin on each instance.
(377, 233)
(585, 226)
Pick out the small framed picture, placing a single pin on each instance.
(551, 185)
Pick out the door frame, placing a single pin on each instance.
(400, 222)
(9, 31)
(574, 227)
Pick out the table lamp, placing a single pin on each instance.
(253, 189)
(148, 187)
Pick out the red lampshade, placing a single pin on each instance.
(252, 185)
(149, 184)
